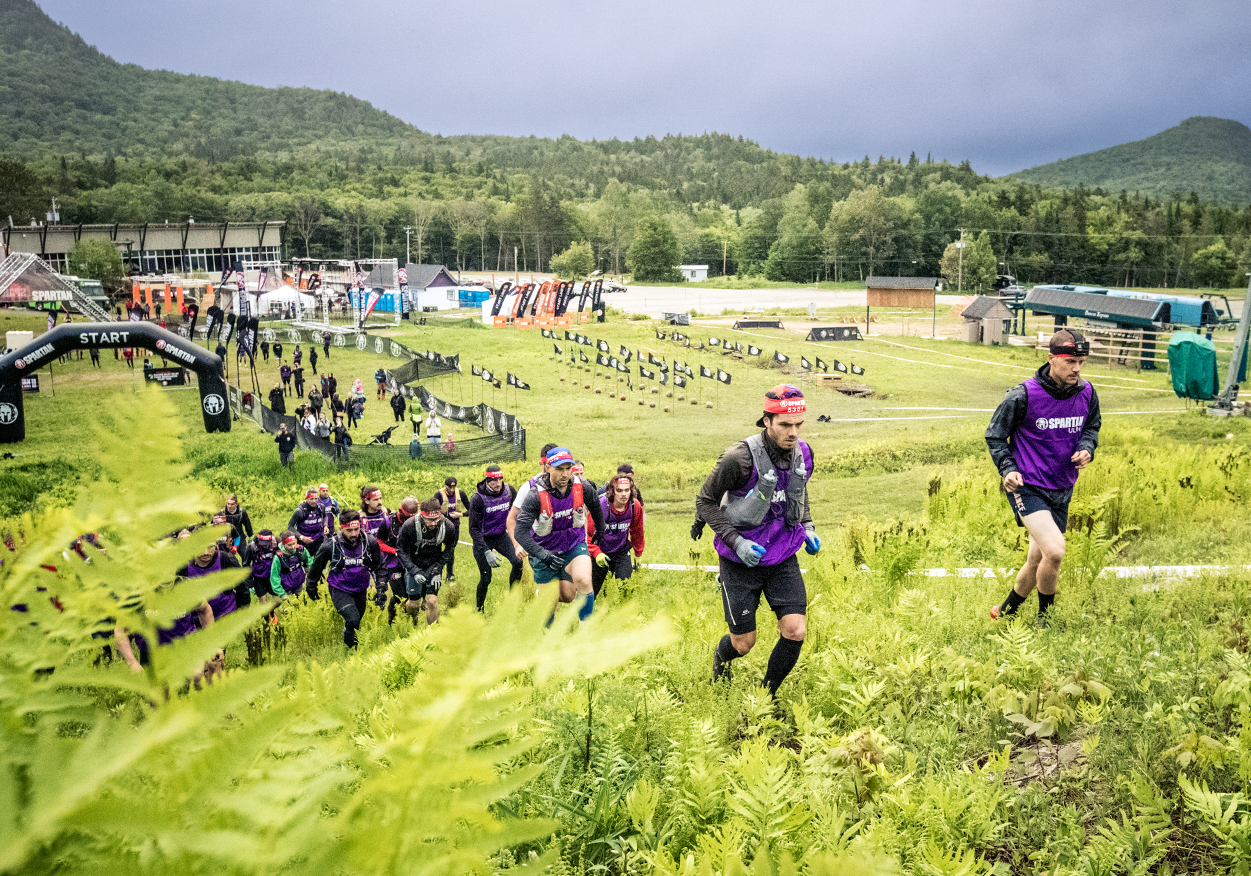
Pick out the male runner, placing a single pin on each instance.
(288, 570)
(756, 501)
(488, 513)
(551, 528)
(351, 555)
(421, 553)
(454, 504)
(510, 525)
(329, 504)
(237, 517)
(309, 525)
(623, 530)
(376, 520)
(1042, 434)
(260, 553)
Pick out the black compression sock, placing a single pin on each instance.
(722, 656)
(781, 662)
(483, 585)
(1012, 603)
(1045, 601)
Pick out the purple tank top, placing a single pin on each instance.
(184, 626)
(224, 602)
(564, 535)
(495, 511)
(779, 540)
(263, 561)
(1045, 443)
(616, 532)
(348, 571)
(310, 521)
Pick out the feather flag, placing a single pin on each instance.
(375, 295)
(780, 357)
(856, 369)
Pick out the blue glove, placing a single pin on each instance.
(749, 553)
(812, 544)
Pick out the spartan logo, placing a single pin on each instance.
(361, 341)
(1040, 424)
(378, 345)
(339, 342)
(8, 413)
(268, 335)
(292, 335)
(395, 350)
(213, 404)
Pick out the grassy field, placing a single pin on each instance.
(914, 733)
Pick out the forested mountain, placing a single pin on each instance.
(117, 143)
(1205, 155)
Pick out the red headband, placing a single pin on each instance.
(290, 539)
(785, 405)
(374, 494)
(495, 474)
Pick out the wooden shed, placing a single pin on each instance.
(984, 320)
(915, 292)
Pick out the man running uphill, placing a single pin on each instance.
(756, 501)
(623, 530)
(551, 528)
(1041, 436)
(421, 552)
(488, 513)
(351, 556)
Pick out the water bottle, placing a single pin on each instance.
(764, 489)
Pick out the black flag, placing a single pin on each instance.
(714, 342)
(839, 366)
(660, 336)
(476, 371)
(601, 360)
(821, 366)
(779, 357)
(664, 378)
(856, 369)
(488, 377)
(613, 362)
(753, 350)
(569, 336)
(630, 384)
(559, 351)
(623, 367)
(804, 363)
(643, 372)
(521, 384)
(687, 368)
(510, 380)
(603, 345)
(723, 376)
(679, 380)
(628, 356)
(495, 383)
(545, 333)
(582, 357)
(705, 372)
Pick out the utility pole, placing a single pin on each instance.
(724, 247)
(516, 270)
(960, 274)
(408, 243)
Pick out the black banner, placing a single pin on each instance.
(856, 369)
(582, 357)
(558, 350)
(714, 342)
(780, 357)
(649, 375)
(601, 359)
(753, 350)
(804, 363)
(679, 380)
(602, 346)
(705, 372)
(840, 367)
(723, 376)
(166, 376)
(821, 366)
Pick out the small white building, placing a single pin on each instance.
(693, 273)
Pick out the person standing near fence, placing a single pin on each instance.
(397, 407)
(434, 429)
(276, 401)
(265, 350)
(286, 445)
(297, 374)
(1041, 436)
(488, 515)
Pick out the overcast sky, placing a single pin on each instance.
(1005, 85)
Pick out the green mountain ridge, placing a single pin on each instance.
(1205, 155)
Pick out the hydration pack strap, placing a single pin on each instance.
(545, 500)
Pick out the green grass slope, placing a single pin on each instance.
(1205, 155)
(59, 95)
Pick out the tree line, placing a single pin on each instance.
(801, 221)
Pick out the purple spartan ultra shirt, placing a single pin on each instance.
(184, 626)
(779, 540)
(495, 512)
(291, 571)
(616, 534)
(224, 602)
(1044, 444)
(263, 562)
(310, 522)
(564, 536)
(347, 567)
(371, 523)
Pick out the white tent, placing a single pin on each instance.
(274, 299)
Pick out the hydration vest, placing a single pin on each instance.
(747, 511)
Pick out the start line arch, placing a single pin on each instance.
(106, 335)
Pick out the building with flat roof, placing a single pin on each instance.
(694, 273)
(155, 248)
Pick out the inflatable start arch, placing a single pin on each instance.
(85, 335)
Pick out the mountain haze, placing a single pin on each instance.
(1208, 156)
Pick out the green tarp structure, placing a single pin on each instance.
(1192, 362)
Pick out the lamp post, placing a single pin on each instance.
(408, 242)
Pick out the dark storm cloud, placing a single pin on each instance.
(1005, 85)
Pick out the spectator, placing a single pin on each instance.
(265, 350)
(414, 446)
(380, 377)
(449, 445)
(315, 400)
(286, 444)
(323, 426)
(355, 410)
(342, 440)
(332, 384)
(434, 429)
(276, 400)
(336, 407)
(278, 351)
(416, 414)
(312, 359)
(297, 355)
(397, 407)
(285, 373)
(297, 373)
(310, 423)
(325, 343)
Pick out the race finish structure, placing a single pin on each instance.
(106, 335)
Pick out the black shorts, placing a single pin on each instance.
(741, 587)
(1029, 499)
